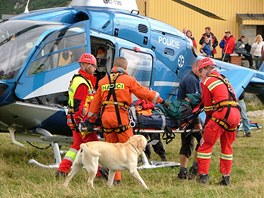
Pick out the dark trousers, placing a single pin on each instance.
(248, 57)
(227, 57)
(158, 148)
(188, 143)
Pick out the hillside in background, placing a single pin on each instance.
(18, 6)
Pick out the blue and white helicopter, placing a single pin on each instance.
(39, 53)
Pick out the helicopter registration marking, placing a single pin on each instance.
(169, 42)
(112, 2)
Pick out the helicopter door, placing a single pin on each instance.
(54, 63)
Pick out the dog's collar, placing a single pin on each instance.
(134, 147)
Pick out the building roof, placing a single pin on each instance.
(251, 19)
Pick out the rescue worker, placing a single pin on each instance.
(190, 84)
(101, 58)
(222, 119)
(112, 100)
(81, 93)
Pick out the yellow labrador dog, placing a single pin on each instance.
(114, 156)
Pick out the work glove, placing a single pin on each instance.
(81, 126)
(90, 126)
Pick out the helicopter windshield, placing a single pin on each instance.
(17, 38)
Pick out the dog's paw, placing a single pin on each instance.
(109, 184)
(65, 185)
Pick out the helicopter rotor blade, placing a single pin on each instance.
(201, 11)
(26, 8)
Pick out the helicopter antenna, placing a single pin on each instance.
(26, 8)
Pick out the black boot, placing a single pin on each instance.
(104, 172)
(193, 171)
(60, 174)
(116, 182)
(163, 158)
(203, 179)
(225, 181)
(183, 173)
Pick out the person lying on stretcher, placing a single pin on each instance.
(174, 114)
(178, 114)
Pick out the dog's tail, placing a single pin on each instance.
(88, 151)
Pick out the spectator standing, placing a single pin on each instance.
(243, 48)
(190, 36)
(243, 112)
(257, 48)
(228, 45)
(184, 30)
(213, 42)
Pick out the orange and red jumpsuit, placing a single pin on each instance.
(125, 85)
(79, 114)
(221, 122)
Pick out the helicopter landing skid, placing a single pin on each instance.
(55, 147)
(156, 164)
(159, 164)
(39, 135)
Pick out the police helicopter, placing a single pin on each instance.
(39, 53)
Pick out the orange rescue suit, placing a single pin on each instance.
(125, 86)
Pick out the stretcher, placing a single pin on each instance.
(159, 122)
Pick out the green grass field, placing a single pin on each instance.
(20, 179)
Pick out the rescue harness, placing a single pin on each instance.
(121, 128)
(71, 111)
(229, 103)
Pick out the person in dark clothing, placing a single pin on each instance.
(213, 40)
(243, 113)
(189, 84)
(243, 48)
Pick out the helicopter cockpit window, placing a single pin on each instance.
(61, 49)
(139, 65)
(17, 39)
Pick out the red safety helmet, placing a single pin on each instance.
(205, 62)
(87, 58)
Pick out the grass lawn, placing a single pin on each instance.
(20, 179)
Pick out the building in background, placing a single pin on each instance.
(241, 17)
